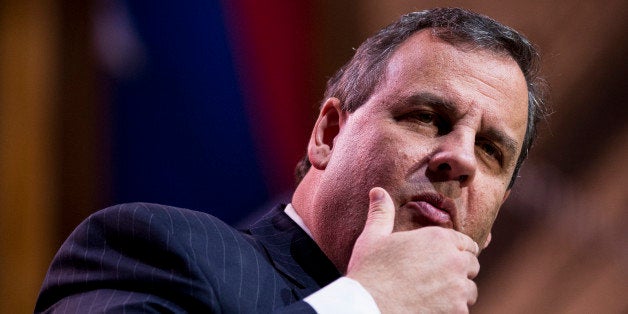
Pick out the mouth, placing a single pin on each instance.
(433, 210)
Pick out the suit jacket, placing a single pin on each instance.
(152, 258)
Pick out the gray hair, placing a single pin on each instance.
(356, 81)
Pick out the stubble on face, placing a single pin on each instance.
(376, 148)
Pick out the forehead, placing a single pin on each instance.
(472, 79)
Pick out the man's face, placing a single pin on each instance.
(441, 134)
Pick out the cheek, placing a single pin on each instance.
(482, 210)
(373, 152)
(360, 161)
(392, 163)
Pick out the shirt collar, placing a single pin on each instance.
(292, 213)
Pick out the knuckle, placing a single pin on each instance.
(375, 213)
(460, 307)
(473, 287)
(377, 204)
(459, 261)
(473, 293)
(471, 260)
(475, 263)
(461, 287)
(474, 290)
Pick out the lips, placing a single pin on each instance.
(433, 210)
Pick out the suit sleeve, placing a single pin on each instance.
(125, 258)
(143, 258)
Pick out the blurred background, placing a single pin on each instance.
(208, 105)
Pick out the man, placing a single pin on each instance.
(417, 144)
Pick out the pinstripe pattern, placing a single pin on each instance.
(152, 258)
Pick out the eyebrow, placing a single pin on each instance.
(444, 105)
(434, 101)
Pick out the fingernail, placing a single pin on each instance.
(376, 195)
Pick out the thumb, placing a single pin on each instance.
(381, 215)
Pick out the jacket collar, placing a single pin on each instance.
(293, 252)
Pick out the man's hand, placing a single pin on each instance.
(425, 270)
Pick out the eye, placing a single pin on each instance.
(425, 117)
(426, 121)
(490, 149)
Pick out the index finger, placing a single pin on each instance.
(465, 243)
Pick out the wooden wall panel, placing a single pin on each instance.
(27, 143)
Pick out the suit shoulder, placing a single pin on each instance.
(132, 214)
(152, 250)
(139, 211)
(154, 221)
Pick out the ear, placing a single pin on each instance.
(327, 127)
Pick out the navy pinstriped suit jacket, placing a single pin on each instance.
(152, 258)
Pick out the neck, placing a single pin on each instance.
(303, 198)
(309, 201)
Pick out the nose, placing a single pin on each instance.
(454, 158)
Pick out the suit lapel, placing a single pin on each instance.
(293, 252)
